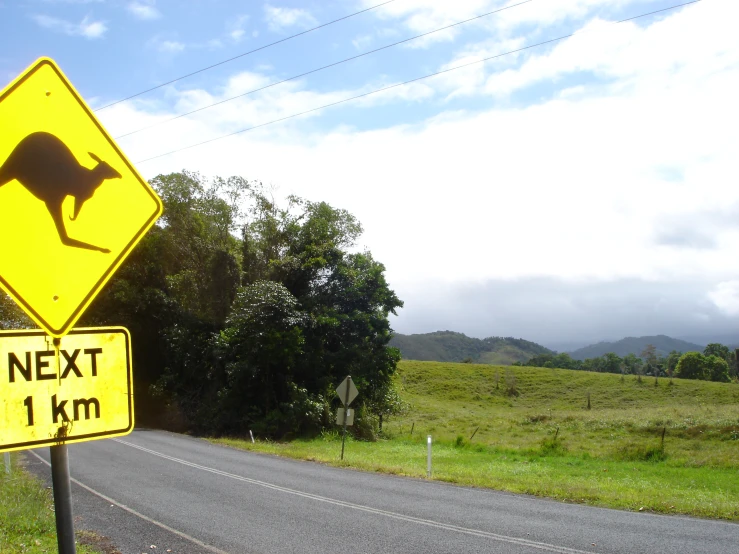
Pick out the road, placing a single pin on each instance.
(183, 495)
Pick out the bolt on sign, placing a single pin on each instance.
(82, 391)
(72, 207)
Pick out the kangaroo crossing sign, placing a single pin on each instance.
(80, 392)
(72, 207)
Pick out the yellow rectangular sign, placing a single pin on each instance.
(78, 390)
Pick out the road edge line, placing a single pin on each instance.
(140, 515)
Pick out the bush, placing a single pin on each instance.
(717, 369)
(641, 453)
(692, 365)
(365, 425)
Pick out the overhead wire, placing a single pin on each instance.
(345, 60)
(245, 54)
(389, 87)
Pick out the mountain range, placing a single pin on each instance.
(634, 345)
(449, 346)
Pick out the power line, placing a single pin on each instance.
(244, 54)
(321, 69)
(483, 60)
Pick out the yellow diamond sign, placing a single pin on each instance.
(72, 207)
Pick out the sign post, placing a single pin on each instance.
(347, 393)
(62, 499)
(75, 208)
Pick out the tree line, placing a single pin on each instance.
(245, 314)
(717, 362)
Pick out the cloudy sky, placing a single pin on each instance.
(578, 190)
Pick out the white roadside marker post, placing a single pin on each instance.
(428, 458)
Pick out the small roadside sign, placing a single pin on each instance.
(72, 207)
(82, 391)
(349, 416)
(347, 385)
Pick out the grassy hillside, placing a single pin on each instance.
(529, 430)
(451, 399)
(448, 346)
(635, 345)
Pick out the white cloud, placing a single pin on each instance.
(143, 9)
(237, 27)
(170, 46)
(362, 42)
(593, 181)
(282, 18)
(86, 28)
(725, 296)
(73, 1)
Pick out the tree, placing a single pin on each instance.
(611, 363)
(691, 366)
(260, 345)
(252, 330)
(671, 362)
(175, 290)
(632, 363)
(649, 355)
(592, 364)
(717, 369)
(719, 350)
(304, 246)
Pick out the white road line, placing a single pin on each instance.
(394, 515)
(137, 514)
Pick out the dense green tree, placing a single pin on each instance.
(719, 350)
(632, 364)
(345, 296)
(691, 366)
(251, 330)
(671, 362)
(564, 360)
(717, 369)
(174, 291)
(262, 340)
(611, 363)
(593, 364)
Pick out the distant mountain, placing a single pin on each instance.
(729, 339)
(635, 345)
(448, 346)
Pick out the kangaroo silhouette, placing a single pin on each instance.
(46, 167)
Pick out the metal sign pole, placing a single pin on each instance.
(62, 499)
(7, 462)
(346, 412)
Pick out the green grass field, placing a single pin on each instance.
(27, 515)
(533, 433)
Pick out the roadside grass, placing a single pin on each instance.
(27, 514)
(533, 434)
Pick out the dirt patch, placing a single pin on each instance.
(92, 539)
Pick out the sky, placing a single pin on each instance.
(580, 190)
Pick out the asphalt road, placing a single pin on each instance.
(160, 492)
